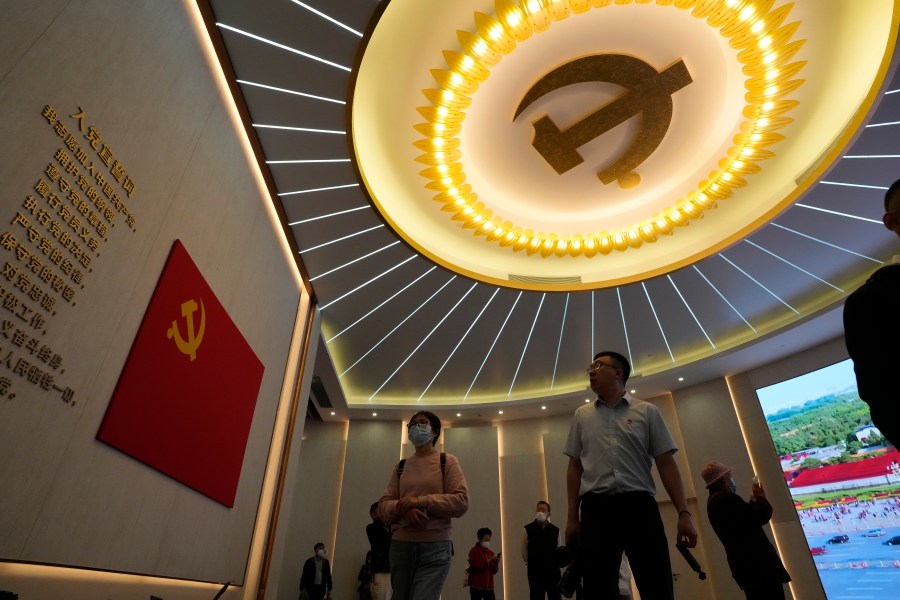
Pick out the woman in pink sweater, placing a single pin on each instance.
(425, 491)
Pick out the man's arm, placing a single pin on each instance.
(524, 546)
(308, 576)
(573, 485)
(671, 480)
(327, 573)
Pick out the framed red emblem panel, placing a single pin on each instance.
(185, 399)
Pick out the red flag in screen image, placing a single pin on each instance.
(185, 399)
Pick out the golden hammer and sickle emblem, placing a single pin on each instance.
(190, 346)
(647, 92)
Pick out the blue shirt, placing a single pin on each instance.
(617, 445)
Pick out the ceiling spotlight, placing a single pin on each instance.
(681, 379)
(500, 412)
(374, 414)
(332, 413)
(543, 408)
(458, 414)
(633, 391)
(586, 400)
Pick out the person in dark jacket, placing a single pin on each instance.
(379, 534)
(872, 332)
(316, 577)
(540, 541)
(754, 562)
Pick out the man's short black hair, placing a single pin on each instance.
(373, 508)
(545, 503)
(319, 545)
(621, 362)
(435, 424)
(893, 194)
(483, 532)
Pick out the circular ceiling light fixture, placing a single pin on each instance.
(578, 139)
(765, 48)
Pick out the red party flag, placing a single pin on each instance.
(185, 399)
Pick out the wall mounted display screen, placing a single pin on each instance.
(844, 479)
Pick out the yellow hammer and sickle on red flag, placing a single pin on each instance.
(190, 346)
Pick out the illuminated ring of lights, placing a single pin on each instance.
(752, 28)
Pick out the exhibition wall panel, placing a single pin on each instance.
(119, 141)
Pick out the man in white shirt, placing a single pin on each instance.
(612, 445)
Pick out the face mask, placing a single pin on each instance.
(733, 486)
(540, 516)
(419, 434)
(485, 544)
(320, 553)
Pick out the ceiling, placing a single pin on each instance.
(417, 310)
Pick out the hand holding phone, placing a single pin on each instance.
(757, 490)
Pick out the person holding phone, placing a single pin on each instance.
(754, 562)
(483, 565)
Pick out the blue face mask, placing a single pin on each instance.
(419, 434)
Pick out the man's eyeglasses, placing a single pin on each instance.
(596, 367)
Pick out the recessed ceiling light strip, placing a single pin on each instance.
(458, 344)
(857, 185)
(658, 324)
(494, 343)
(326, 17)
(398, 326)
(324, 189)
(784, 260)
(424, 339)
(283, 47)
(355, 260)
(871, 156)
(840, 214)
(722, 296)
(883, 124)
(341, 239)
(815, 239)
(562, 328)
(306, 129)
(361, 286)
(525, 347)
(891, 92)
(329, 215)
(287, 91)
(625, 328)
(593, 309)
(757, 282)
(687, 306)
(394, 295)
(312, 161)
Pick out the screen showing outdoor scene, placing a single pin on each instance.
(844, 479)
